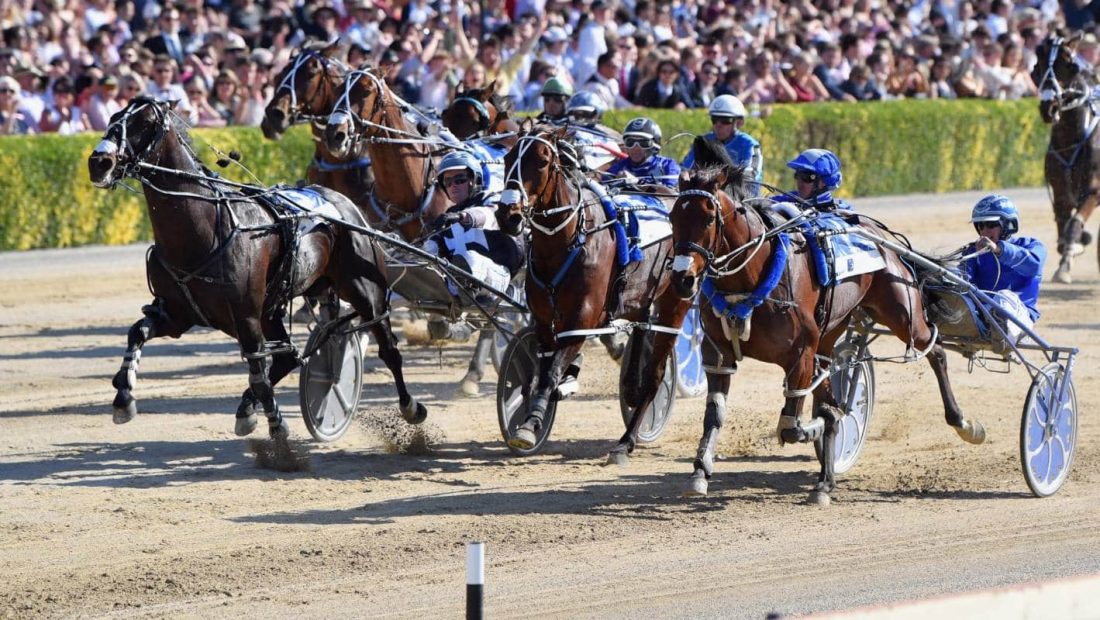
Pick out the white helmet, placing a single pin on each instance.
(727, 106)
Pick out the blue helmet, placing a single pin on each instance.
(585, 107)
(997, 208)
(462, 160)
(825, 164)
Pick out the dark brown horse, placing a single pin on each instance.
(1073, 157)
(229, 259)
(306, 92)
(368, 112)
(477, 112)
(723, 244)
(572, 274)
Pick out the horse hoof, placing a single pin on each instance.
(697, 488)
(245, 425)
(414, 413)
(1062, 276)
(524, 439)
(124, 413)
(622, 459)
(469, 389)
(279, 431)
(819, 498)
(971, 431)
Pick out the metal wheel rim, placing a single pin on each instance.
(515, 384)
(329, 386)
(852, 430)
(1048, 432)
(515, 321)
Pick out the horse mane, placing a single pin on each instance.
(712, 159)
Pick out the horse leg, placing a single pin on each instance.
(281, 365)
(615, 344)
(718, 386)
(827, 409)
(156, 322)
(799, 378)
(476, 370)
(412, 410)
(1070, 221)
(552, 366)
(252, 340)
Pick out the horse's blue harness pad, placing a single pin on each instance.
(844, 254)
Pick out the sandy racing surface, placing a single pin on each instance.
(169, 516)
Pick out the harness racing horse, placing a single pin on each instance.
(573, 272)
(230, 259)
(1072, 165)
(478, 111)
(306, 92)
(726, 252)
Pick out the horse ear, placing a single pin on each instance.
(172, 103)
(685, 178)
(489, 89)
(560, 133)
(722, 176)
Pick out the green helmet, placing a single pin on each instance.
(554, 86)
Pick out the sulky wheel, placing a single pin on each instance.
(854, 390)
(691, 380)
(515, 385)
(329, 384)
(659, 411)
(514, 321)
(1048, 430)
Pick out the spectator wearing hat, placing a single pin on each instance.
(438, 85)
(358, 55)
(103, 103)
(14, 120)
(31, 92)
(323, 23)
(170, 41)
(63, 116)
(554, 53)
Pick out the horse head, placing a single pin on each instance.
(1061, 82)
(132, 136)
(306, 89)
(701, 218)
(533, 170)
(360, 110)
(472, 111)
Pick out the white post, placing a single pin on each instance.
(475, 580)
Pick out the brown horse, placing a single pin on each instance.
(367, 111)
(1072, 165)
(230, 259)
(306, 91)
(795, 325)
(478, 112)
(572, 274)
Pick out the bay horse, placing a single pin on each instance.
(478, 111)
(228, 259)
(572, 274)
(721, 243)
(1072, 164)
(307, 89)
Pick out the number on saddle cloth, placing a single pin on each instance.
(840, 255)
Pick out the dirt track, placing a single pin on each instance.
(169, 516)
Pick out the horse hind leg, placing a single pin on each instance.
(413, 411)
(156, 322)
(476, 369)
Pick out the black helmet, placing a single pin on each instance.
(643, 128)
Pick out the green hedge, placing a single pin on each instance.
(46, 199)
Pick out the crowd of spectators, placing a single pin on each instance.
(68, 65)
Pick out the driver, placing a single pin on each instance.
(727, 118)
(1010, 267)
(555, 93)
(644, 163)
(816, 175)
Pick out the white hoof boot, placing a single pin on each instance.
(698, 487)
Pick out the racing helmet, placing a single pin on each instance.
(997, 208)
(825, 164)
(726, 106)
(585, 107)
(554, 86)
(645, 130)
(461, 160)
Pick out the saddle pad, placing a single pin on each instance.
(491, 157)
(308, 202)
(647, 217)
(595, 157)
(852, 255)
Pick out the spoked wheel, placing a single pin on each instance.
(691, 381)
(514, 321)
(330, 383)
(515, 385)
(656, 416)
(1048, 430)
(854, 389)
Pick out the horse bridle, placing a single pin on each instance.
(483, 116)
(715, 266)
(290, 79)
(1055, 92)
(514, 176)
(127, 164)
